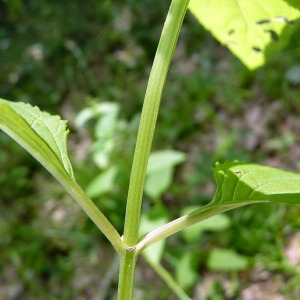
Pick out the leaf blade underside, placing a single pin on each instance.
(42, 135)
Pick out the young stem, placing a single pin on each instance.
(126, 273)
(156, 82)
(183, 222)
(93, 212)
(15, 126)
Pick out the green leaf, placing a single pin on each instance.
(164, 159)
(103, 183)
(226, 260)
(157, 183)
(238, 183)
(160, 171)
(186, 270)
(294, 3)
(252, 30)
(42, 135)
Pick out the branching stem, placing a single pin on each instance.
(152, 99)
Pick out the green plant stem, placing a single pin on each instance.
(152, 99)
(153, 94)
(185, 221)
(126, 274)
(16, 127)
(92, 211)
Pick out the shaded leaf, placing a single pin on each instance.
(294, 3)
(160, 171)
(293, 74)
(226, 260)
(186, 270)
(157, 183)
(103, 183)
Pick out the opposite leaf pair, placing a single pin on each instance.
(45, 138)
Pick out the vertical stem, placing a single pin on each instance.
(126, 273)
(156, 82)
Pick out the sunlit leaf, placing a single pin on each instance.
(253, 30)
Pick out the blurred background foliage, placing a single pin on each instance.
(89, 62)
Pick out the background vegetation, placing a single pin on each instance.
(66, 57)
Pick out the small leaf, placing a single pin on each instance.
(226, 260)
(160, 171)
(242, 182)
(42, 135)
(186, 270)
(252, 30)
(103, 183)
(293, 74)
(157, 183)
(164, 159)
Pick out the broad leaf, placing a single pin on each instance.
(253, 30)
(42, 135)
(242, 182)
(238, 184)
